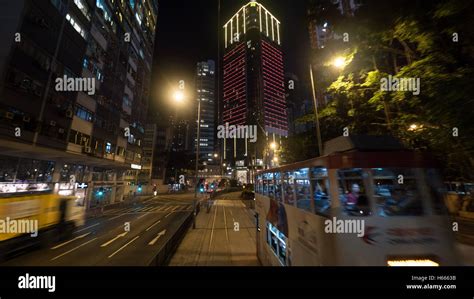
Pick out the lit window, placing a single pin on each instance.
(108, 147)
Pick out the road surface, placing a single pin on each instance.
(223, 237)
(104, 240)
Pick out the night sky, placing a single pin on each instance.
(187, 33)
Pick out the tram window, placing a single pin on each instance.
(289, 188)
(320, 196)
(268, 185)
(436, 191)
(277, 242)
(352, 192)
(278, 196)
(320, 187)
(303, 193)
(259, 187)
(393, 198)
(282, 251)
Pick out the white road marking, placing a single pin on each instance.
(168, 215)
(69, 251)
(123, 247)
(67, 242)
(141, 216)
(118, 237)
(116, 217)
(175, 208)
(212, 231)
(82, 229)
(153, 225)
(162, 233)
(225, 226)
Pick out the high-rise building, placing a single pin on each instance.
(253, 85)
(74, 90)
(320, 29)
(205, 85)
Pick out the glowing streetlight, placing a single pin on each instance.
(216, 155)
(178, 96)
(273, 145)
(415, 127)
(275, 159)
(339, 62)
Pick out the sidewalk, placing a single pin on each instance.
(223, 237)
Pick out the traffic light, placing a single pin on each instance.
(100, 192)
(139, 189)
(201, 188)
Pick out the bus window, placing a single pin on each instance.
(320, 187)
(289, 188)
(278, 195)
(394, 198)
(303, 193)
(352, 192)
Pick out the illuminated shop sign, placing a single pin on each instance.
(23, 187)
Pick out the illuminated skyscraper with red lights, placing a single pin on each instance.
(253, 83)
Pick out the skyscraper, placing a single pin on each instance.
(205, 91)
(92, 136)
(253, 84)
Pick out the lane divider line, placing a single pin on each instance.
(153, 225)
(75, 248)
(120, 249)
(67, 242)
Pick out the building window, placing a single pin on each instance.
(108, 148)
(84, 113)
(76, 26)
(83, 8)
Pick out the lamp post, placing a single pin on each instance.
(180, 97)
(197, 160)
(339, 63)
(315, 103)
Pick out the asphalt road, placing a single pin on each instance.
(104, 241)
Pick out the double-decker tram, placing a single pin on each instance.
(31, 214)
(366, 202)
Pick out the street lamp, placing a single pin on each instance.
(198, 139)
(273, 145)
(339, 62)
(216, 155)
(179, 97)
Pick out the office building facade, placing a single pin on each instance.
(205, 85)
(253, 86)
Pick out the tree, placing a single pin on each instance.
(415, 39)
